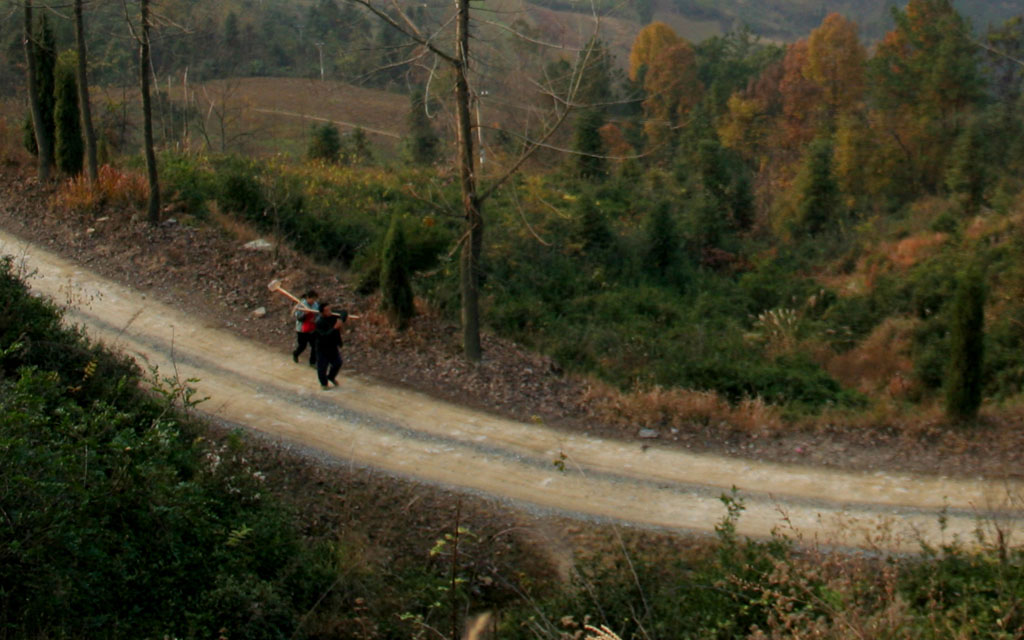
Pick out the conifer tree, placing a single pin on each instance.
(41, 47)
(817, 189)
(395, 286)
(325, 143)
(594, 230)
(357, 148)
(590, 161)
(423, 143)
(28, 135)
(967, 171)
(662, 240)
(967, 332)
(69, 149)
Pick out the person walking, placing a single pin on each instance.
(306, 314)
(328, 345)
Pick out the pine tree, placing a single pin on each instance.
(662, 240)
(817, 188)
(69, 149)
(593, 227)
(423, 143)
(967, 173)
(742, 201)
(325, 143)
(395, 286)
(590, 161)
(45, 53)
(357, 148)
(28, 135)
(967, 332)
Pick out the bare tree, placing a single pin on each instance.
(44, 143)
(473, 197)
(89, 132)
(225, 110)
(142, 37)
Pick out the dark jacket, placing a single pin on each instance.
(328, 336)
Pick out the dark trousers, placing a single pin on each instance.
(327, 366)
(304, 340)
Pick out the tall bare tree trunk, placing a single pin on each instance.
(44, 144)
(472, 247)
(153, 207)
(91, 169)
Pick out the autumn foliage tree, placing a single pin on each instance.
(836, 63)
(648, 45)
(925, 75)
(673, 88)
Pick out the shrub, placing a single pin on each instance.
(395, 288)
(963, 380)
(236, 186)
(113, 187)
(325, 143)
(187, 182)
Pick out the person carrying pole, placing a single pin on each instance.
(306, 313)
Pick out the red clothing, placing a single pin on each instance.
(308, 322)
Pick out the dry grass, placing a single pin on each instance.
(909, 251)
(881, 363)
(272, 114)
(677, 408)
(113, 187)
(233, 225)
(12, 151)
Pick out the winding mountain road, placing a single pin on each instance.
(412, 435)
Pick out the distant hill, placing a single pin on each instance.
(780, 19)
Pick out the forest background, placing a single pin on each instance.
(801, 212)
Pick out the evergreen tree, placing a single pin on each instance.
(44, 50)
(232, 36)
(395, 286)
(595, 82)
(714, 174)
(963, 380)
(662, 239)
(357, 148)
(967, 173)
(742, 200)
(325, 143)
(28, 135)
(817, 189)
(423, 143)
(593, 227)
(590, 161)
(69, 149)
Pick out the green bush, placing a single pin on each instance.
(396, 288)
(236, 186)
(967, 331)
(187, 181)
(325, 143)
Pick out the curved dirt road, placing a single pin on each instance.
(412, 435)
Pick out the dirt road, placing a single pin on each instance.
(412, 435)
